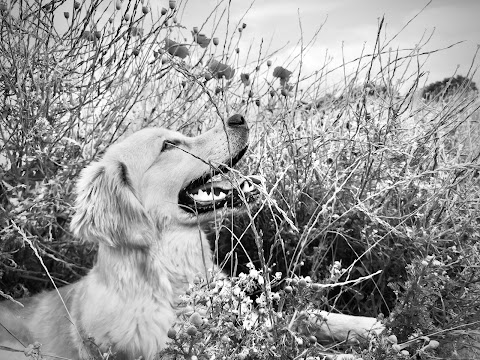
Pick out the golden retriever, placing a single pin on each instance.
(144, 203)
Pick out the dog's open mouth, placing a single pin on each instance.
(219, 188)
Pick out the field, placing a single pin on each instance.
(372, 199)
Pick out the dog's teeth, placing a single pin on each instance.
(220, 196)
(247, 187)
(207, 196)
(201, 196)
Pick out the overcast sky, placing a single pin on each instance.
(353, 24)
(349, 26)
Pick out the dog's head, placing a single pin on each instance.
(155, 177)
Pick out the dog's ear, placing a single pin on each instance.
(107, 209)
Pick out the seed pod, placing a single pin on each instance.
(76, 5)
(88, 35)
(163, 11)
(126, 17)
(288, 289)
(98, 34)
(237, 50)
(66, 14)
(172, 333)
(145, 10)
(196, 319)
(136, 51)
(225, 339)
(192, 330)
(215, 41)
(392, 339)
(172, 4)
(269, 63)
(118, 5)
(244, 25)
(284, 92)
(257, 102)
(195, 30)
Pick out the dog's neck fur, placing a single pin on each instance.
(171, 259)
(144, 283)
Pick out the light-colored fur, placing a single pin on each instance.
(149, 249)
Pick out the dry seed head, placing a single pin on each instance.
(392, 339)
(192, 330)
(171, 333)
(196, 319)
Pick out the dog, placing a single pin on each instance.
(144, 203)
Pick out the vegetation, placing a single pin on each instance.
(372, 203)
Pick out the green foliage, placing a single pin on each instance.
(448, 87)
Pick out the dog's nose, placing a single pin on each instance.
(237, 120)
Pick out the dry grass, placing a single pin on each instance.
(362, 177)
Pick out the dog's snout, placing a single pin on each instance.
(237, 120)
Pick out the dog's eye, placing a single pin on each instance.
(167, 145)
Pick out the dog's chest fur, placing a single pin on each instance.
(130, 295)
